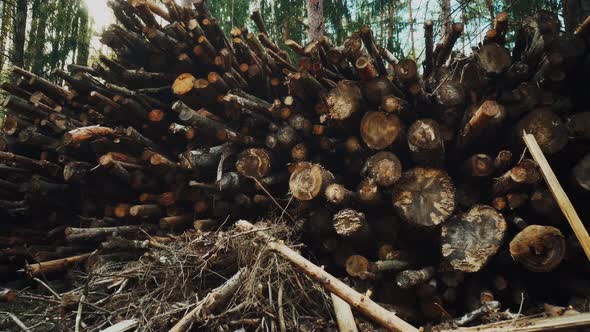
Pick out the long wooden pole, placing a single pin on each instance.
(360, 302)
(564, 202)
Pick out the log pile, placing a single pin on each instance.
(415, 186)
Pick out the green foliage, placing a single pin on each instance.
(58, 32)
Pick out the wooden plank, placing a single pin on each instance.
(564, 202)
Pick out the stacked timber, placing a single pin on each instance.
(416, 185)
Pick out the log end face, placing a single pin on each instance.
(183, 84)
(254, 163)
(384, 167)
(538, 248)
(380, 130)
(344, 100)
(349, 223)
(548, 129)
(424, 196)
(471, 239)
(305, 182)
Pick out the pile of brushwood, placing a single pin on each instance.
(120, 183)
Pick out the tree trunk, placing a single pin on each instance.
(315, 16)
(389, 41)
(84, 33)
(445, 16)
(37, 58)
(4, 30)
(411, 30)
(20, 28)
(574, 13)
(35, 14)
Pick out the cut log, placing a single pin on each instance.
(344, 100)
(548, 129)
(519, 177)
(384, 167)
(380, 130)
(254, 163)
(581, 174)
(411, 278)
(349, 223)
(538, 248)
(493, 59)
(478, 166)
(424, 196)
(44, 268)
(426, 143)
(488, 113)
(471, 239)
(309, 180)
